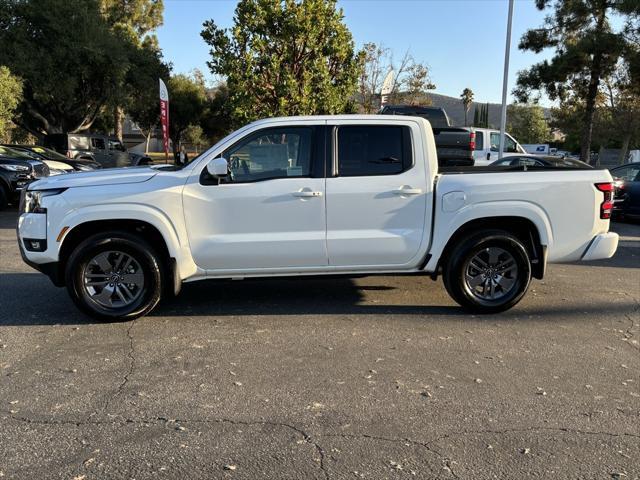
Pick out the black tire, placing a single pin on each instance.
(458, 263)
(135, 247)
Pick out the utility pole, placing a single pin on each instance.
(505, 79)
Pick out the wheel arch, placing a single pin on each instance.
(523, 228)
(156, 230)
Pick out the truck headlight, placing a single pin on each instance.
(32, 200)
(15, 168)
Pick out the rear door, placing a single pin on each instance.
(377, 196)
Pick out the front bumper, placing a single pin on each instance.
(602, 246)
(33, 226)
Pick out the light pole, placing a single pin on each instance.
(505, 79)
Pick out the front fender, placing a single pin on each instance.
(447, 223)
(176, 241)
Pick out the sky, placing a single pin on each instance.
(462, 41)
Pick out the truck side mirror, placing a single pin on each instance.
(488, 155)
(218, 167)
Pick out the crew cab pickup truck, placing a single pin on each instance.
(326, 195)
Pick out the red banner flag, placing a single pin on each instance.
(164, 118)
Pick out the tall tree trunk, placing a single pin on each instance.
(118, 119)
(592, 93)
(146, 142)
(625, 148)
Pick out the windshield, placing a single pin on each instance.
(11, 153)
(48, 153)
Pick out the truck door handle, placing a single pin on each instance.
(407, 190)
(306, 193)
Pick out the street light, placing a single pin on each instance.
(505, 78)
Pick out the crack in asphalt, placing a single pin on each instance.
(445, 460)
(629, 333)
(167, 422)
(308, 438)
(127, 375)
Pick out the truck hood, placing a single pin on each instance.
(107, 176)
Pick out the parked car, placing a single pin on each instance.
(346, 194)
(55, 167)
(46, 154)
(16, 174)
(539, 161)
(627, 189)
(108, 151)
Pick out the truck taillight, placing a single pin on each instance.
(606, 207)
(472, 141)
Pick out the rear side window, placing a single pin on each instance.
(630, 173)
(78, 143)
(373, 150)
(479, 140)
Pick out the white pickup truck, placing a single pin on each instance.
(324, 195)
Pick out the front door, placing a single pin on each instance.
(118, 153)
(510, 146)
(377, 196)
(100, 152)
(270, 213)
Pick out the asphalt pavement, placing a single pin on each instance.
(377, 377)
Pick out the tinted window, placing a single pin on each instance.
(273, 153)
(629, 174)
(504, 162)
(527, 162)
(436, 116)
(98, 143)
(479, 140)
(373, 150)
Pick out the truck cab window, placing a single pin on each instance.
(510, 145)
(276, 153)
(373, 150)
(98, 143)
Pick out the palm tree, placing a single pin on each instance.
(467, 100)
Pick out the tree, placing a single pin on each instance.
(410, 82)
(187, 98)
(216, 118)
(10, 95)
(142, 103)
(467, 100)
(68, 83)
(284, 58)
(623, 98)
(587, 49)
(528, 124)
(135, 20)
(481, 116)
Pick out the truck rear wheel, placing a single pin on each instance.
(489, 272)
(114, 276)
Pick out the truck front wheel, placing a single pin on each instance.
(114, 276)
(488, 272)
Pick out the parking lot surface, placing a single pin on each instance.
(330, 378)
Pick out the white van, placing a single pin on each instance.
(487, 141)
